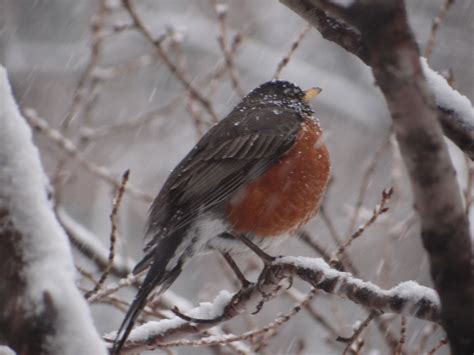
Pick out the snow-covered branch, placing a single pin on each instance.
(411, 88)
(92, 248)
(408, 298)
(41, 310)
(455, 111)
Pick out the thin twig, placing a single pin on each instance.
(198, 121)
(387, 334)
(403, 335)
(81, 91)
(305, 237)
(364, 185)
(378, 211)
(88, 244)
(87, 275)
(407, 298)
(174, 69)
(97, 24)
(298, 296)
(112, 288)
(346, 262)
(429, 330)
(300, 347)
(354, 337)
(221, 13)
(438, 20)
(109, 72)
(113, 235)
(336, 237)
(441, 343)
(151, 115)
(294, 46)
(278, 322)
(70, 148)
(212, 78)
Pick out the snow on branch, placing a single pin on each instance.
(408, 298)
(92, 248)
(455, 111)
(41, 310)
(411, 89)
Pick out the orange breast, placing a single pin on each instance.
(289, 193)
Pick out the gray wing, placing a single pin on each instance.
(233, 153)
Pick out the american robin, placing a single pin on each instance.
(256, 176)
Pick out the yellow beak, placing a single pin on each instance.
(312, 93)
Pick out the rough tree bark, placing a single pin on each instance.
(457, 126)
(378, 32)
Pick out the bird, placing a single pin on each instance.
(254, 178)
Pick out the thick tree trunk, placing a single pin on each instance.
(378, 32)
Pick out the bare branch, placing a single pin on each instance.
(221, 13)
(113, 235)
(364, 185)
(319, 318)
(151, 115)
(426, 333)
(403, 335)
(174, 69)
(443, 10)
(69, 147)
(92, 248)
(355, 336)
(294, 46)
(97, 24)
(378, 211)
(441, 343)
(305, 237)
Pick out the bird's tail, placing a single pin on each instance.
(159, 274)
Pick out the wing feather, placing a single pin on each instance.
(227, 158)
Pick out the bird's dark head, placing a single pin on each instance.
(283, 94)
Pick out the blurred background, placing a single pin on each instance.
(108, 101)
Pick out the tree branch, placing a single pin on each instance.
(392, 53)
(91, 247)
(172, 66)
(407, 298)
(41, 310)
(457, 121)
(69, 148)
